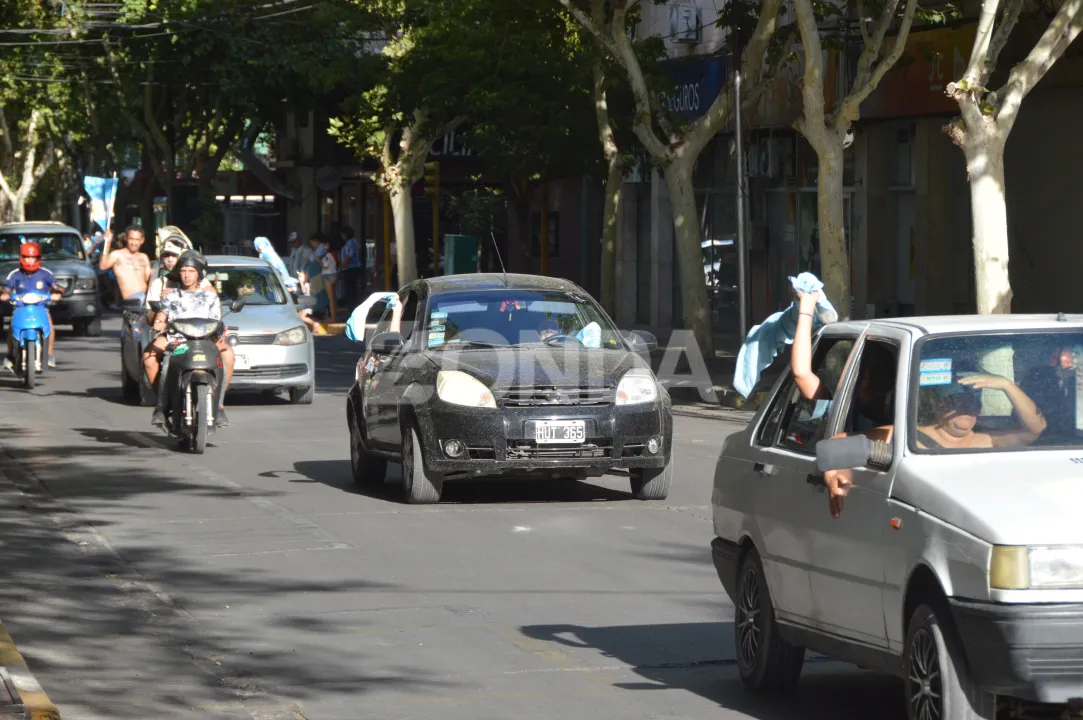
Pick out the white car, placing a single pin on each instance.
(956, 562)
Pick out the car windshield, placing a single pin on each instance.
(258, 285)
(502, 318)
(54, 246)
(978, 392)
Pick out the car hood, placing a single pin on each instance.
(1005, 498)
(258, 319)
(74, 268)
(510, 367)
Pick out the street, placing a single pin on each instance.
(257, 581)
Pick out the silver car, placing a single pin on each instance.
(273, 347)
(956, 560)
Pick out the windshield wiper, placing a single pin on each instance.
(471, 343)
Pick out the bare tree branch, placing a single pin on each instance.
(598, 32)
(601, 113)
(850, 107)
(983, 36)
(1004, 28)
(1050, 47)
(811, 122)
(767, 79)
(642, 124)
(861, 23)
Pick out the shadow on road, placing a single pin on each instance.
(337, 474)
(697, 658)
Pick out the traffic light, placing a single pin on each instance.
(432, 179)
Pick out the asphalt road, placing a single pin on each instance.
(256, 581)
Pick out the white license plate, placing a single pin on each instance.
(240, 362)
(556, 432)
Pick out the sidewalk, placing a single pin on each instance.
(20, 694)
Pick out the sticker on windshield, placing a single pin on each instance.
(437, 315)
(935, 371)
(436, 338)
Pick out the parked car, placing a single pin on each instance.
(273, 348)
(62, 253)
(956, 561)
(516, 376)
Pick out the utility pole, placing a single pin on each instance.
(432, 189)
(742, 264)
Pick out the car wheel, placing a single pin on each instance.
(302, 396)
(133, 393)
(765, 661)
(367, 469)
(653, 483)
(420, 488)
(938, 682)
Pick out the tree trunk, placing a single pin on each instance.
(18, 208)
(985, 165)
(402, 208)
(686, 230)
(834, 260)
(610, 239)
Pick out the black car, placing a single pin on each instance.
(62, 254)
(506, 376)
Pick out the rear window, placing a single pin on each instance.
(54, 246)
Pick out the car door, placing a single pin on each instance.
(392, 376)
(371, 365)
(785, 458)
(849, 553)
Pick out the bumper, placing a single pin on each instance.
(265, 367)
(497, 441)
(1032, 652)
(77, 306)
(725, 555)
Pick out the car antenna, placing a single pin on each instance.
(497, 249)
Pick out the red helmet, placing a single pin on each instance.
(30, 256)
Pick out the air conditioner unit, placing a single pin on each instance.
(685, 23)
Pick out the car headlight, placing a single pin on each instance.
(88, 283)
(1014, 567)
(636, 387)
(293, 336)
(459, 388)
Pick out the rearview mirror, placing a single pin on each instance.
(387, 343)
(642, 341)
(305, 302)
(237, 304)
(856, 451)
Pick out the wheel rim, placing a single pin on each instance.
(749, 618)
(923, 681)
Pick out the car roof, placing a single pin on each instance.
(497, 281)
(940, 324)
(39, 226)
(235, 260)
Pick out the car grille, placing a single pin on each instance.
(265, 339)
(272, 371)
(529, 450)
(552, 396)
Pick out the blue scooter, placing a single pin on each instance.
(30, 330)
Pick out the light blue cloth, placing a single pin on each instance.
(267, 252)
(765, 341)
(590, 336)
(355, 326)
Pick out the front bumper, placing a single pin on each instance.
(497, 440)
(80, 305)
(265, 366)
(1032, 652)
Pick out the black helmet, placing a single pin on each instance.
(189, 258)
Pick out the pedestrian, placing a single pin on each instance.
(353, 269)
(329, 269)
(300, 256)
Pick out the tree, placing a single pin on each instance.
(826, 131)
(986, 119)
(674, 149)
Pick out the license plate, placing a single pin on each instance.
(556, 432)
(240, 362)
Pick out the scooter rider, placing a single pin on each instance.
(172, 248)
(189, 300)
(31, 277)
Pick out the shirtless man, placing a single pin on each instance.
(132, 267)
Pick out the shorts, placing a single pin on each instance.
(140, 296)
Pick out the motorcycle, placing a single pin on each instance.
(191, 376)
(30, 330)
(135, 336)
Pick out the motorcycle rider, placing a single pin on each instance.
(189, 300)
(172, 248)
(31, 277)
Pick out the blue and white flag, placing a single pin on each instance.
(102, 193)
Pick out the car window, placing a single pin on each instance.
(872, 397)
(257, 285)
(385, 320)
(409, 316)
(54, 245)
(803, 421)
(769, 430)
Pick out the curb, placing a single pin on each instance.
(21, 683)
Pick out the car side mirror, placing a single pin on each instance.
(237, 304)
(642, 341)
(387, 343)
(306, 302)
(856, 451)
(156, 305)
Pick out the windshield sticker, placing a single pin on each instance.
(437, 315)
(935, 371)
(436, 338)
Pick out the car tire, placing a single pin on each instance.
(937, 676)
(302, 396)
(131, 389)
(366, 469)
(652, 483)
(421, 489)
(765, 661)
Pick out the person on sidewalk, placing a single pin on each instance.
(30, 276)
(353, 269)
(329, 269)
(300, 256)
